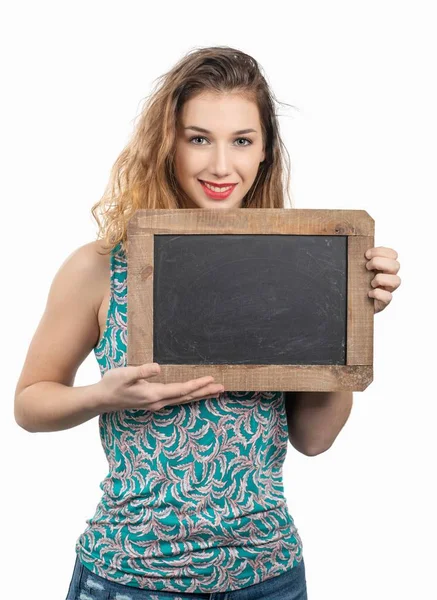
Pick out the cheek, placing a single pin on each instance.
(249, 164)
(186, 163)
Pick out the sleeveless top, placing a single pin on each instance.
(193, 500)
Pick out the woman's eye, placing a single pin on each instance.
(197, 138)
(246, 140)
(203, 138)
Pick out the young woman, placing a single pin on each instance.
(190, 507)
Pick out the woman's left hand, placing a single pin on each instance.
(386, 281)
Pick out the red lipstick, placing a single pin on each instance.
(218, 195)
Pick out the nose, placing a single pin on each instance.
(220, 165)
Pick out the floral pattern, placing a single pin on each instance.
(193, 500)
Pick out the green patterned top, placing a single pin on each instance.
(193, 500)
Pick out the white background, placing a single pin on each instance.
(362, 76)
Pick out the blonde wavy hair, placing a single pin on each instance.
(143, 174)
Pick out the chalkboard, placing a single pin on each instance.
(250, 299)
(285, 309)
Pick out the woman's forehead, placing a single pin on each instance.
(211, 111)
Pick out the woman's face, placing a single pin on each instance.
(222, 155)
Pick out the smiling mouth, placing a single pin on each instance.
(217, 193)
(218, 187)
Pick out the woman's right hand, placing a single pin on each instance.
(127, 388)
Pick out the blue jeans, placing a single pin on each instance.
(85, 585)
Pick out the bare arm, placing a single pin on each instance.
(52, 406)
(44, 397)
(316, 418)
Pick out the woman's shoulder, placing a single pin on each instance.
(92, 256)
(91, 263)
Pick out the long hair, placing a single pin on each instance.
(143, 174)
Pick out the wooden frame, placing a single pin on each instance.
(356, 375)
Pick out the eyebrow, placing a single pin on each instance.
(202, 130)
